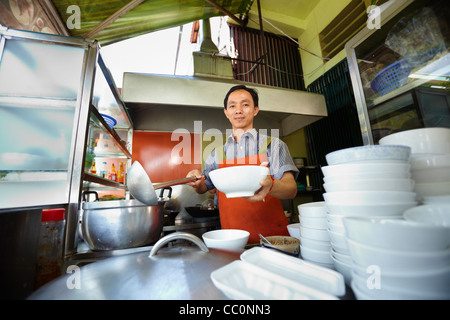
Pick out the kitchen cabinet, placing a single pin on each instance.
(400, 68)
(56, 98)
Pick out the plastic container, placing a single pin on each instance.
(266, 274)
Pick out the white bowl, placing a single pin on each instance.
(369, 176)
(309, 254)
(368, 197)
(434, 214)
(444, 199)
(314, 234)
(431, 189)
(351, 169)
(227, 239)
(396, 260)
(343, 257)
(312, 209)
(365, 289)
(239, 181)
(338, 239)
(431, 168)
(294, 230)
(368, 153)
(340, 250)
(343, 268)
(335, 219)
(397, 234)
(314, 223)
(371, 210)
(315, 244)
(421, 141)
(336, 227)
(436, 280)
(370, 185)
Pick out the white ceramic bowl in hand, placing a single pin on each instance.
(421, 141)
(239, 181)
(226, 239)
(397, 234)
(369, 153)
(434, 214)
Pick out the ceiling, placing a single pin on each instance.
(288, 15)
(113, 20)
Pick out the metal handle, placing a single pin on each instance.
(175, 236)
(174, 182)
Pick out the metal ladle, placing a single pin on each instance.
(141, 187)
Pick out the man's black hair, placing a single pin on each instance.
(252, 92)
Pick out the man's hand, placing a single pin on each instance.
(198, 185)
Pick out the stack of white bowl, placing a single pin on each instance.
(430, 159)
(369, 181)
(315, 243)
(401, 259)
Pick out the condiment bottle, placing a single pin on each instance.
(103, 171)
(121, 174)
(93, 169)
(113, 173)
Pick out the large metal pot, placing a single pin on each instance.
(121, 224)
(172, 273)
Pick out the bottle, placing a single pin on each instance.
(121, 174)
(103, 170)
(113, 173)
(93, 169)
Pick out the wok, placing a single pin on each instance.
(141, 187)
(200, 212)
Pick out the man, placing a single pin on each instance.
(263, 212)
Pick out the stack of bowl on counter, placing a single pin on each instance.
(313, 234)
(430, 160)
(389, 229)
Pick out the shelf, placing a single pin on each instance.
(100, 123)
(38, 103)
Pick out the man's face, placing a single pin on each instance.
(241, 110)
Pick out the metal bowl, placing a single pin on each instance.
(110, 225)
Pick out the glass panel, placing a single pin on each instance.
(34, 69)
(405, 70)
(39, 84)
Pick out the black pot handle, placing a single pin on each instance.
(161, 194)
(83, 195)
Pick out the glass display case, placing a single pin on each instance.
(400, 68)
(60, 112)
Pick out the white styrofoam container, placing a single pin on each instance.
(243, 281)
(266, 274)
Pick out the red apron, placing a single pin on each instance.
(266, 217)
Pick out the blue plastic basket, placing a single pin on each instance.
(110, 121)
(396, 75)
(391, 77)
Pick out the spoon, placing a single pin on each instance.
(264, 239)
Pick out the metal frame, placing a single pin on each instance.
(388, 11)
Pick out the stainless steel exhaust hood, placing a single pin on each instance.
(164, 103)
